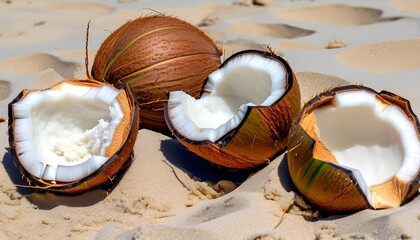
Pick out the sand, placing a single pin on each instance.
(399, 56)
(333, 14)
(169, 193)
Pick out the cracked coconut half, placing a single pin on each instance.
(353, 148)
(73, 136)
(244, 114)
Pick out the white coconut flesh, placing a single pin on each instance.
(62, 135)
(376, 141)
(247, 80)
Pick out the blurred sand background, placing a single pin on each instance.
(168, 192)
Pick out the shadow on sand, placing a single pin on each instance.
(198, 167)
(46, 200)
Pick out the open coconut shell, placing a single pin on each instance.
(96, 99)
(257, 131)
(155, 55)
(353, 148)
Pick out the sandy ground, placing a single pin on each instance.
(168, 192)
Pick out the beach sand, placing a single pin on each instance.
(168, 192)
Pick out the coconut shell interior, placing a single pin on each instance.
(324, 185)
(327, 185)
(118, 152)
(262, 134)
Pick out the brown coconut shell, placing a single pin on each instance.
(263, 133)
(156, 55)
(328, 186)
(119, 152)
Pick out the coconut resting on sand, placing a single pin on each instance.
(167, 192)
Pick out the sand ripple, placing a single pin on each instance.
(383, 57)
(333, 14)
(276, 30)
(229, 12)
(37, 63)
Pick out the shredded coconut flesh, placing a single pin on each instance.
(247, 80)
(82, 146)
(374, 140)
(71, 129)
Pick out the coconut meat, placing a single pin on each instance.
(245, 81)
(375, 140)
(62, 134)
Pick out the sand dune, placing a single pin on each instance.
(193, 15)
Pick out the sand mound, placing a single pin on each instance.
(232, 46)
(45, 79)
(400, 55)
(312, 83)
(276, 30)
(234, 216)
(37, 63)
(229, 12)
(412, 6)
(194, 15)
(287, 44)
(333, 14)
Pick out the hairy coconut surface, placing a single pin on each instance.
(243, 117)
(74, 135)
(155, 55)
(353, 148)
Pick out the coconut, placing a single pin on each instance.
(73, 136)
(155, 55)
(353, 148)
(244, 114)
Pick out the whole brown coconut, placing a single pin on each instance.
(156, 55)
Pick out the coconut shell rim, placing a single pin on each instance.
(65, 187)
(228, 136)
(307, 108)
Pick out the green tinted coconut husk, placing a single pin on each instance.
(328, 186)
